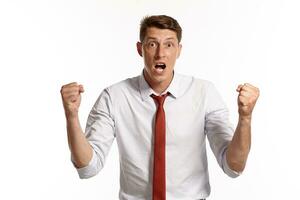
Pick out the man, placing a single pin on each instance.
(160, 120)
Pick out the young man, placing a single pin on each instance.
(160, 120)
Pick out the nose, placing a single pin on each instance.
(160, 52)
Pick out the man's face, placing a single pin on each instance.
(160, 49)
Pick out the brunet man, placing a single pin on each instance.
(160, 120)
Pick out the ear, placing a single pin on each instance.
(179, 50)
(139, 48)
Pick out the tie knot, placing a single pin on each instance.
(159, 99)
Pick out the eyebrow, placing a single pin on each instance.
(153, 38)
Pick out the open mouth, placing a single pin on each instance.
(160, 66)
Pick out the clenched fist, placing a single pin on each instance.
(71, 98)
(248, 95)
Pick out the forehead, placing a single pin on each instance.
(160, 34)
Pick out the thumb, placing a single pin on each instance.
(81, 89)
(238, 89)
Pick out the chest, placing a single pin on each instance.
(184, 116)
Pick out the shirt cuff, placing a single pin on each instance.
(231, 173)
(90, 170)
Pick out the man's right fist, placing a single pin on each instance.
(71, 98)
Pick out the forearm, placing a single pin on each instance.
(239, 147)
(79, 146)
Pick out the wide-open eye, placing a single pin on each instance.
(169, 44)
(152, 44)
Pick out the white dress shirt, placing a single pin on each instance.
(125, 111)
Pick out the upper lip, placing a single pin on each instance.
(160, 63)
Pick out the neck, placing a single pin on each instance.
(158, 87)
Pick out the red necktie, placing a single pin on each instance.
(159, 166)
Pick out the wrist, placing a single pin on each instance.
(245, 118)
(71, 116)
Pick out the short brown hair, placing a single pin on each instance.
(162, 22)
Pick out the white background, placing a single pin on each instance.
(47, 43)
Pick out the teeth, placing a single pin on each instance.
(160, 65)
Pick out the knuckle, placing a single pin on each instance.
(244, 103)
(62, 88)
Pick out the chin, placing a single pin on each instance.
(161, 78)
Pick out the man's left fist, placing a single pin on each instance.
(248, 95)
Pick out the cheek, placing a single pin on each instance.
(147, 61)
(172, 54)
(148, 56)
(173, 57)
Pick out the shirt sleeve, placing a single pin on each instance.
(100, 133)
(218, 129)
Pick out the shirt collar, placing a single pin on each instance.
(146, 90)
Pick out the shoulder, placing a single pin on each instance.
(117, 92)
(129, 83)
(195, 82)
(124, 87)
